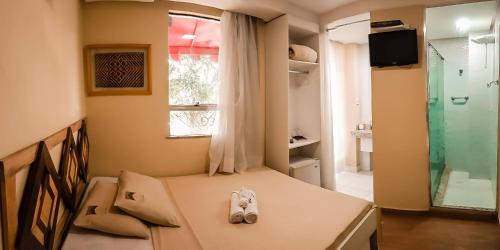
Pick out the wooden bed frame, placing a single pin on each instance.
(51, 196)
(365, 235)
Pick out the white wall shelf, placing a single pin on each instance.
(301, 67)
(301, 143)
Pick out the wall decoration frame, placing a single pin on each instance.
(118, 69)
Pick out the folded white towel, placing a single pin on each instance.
(251, 212)
(236, 213)
(245, 195)
(243, 202)
(302, 53)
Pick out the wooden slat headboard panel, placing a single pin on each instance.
(10, 166)
(40, 206)
(72, 171)
(83, 148)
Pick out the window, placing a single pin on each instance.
(193, 44)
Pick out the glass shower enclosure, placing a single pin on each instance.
(462, 104)
(462, 109)
(435, 109)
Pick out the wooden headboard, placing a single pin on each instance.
(29, 174)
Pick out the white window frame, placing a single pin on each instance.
(189, 107)
(194, 107)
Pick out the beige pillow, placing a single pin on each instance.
(98, 213)
(145, 197)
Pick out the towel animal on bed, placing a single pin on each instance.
(243, 206)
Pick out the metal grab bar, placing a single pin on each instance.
(456, 98)
(492, 83)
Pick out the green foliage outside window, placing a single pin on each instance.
(193, 81)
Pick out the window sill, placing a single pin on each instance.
(188, 136)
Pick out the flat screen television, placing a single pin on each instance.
(393, 48)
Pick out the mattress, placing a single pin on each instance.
(292, 215)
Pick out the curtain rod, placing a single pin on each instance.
(274, 18)
(439, 54)
(174, 13)
(345, 24)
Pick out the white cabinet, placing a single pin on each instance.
(305, 169)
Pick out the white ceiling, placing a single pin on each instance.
(356, 30)
(269, 9)
(264, 9)
(320, 6)
(441, 21)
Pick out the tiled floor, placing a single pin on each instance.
(356, 184)
(463, 191)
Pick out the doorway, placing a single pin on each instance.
(462, 104)
(351, 107)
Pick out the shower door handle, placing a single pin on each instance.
(455, 99)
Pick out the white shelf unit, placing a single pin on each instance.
(292, 94)
(300, 67)
(302, 143)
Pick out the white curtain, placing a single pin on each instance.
(337, 60)
(335, 133)
(236, 141)
(327, 139)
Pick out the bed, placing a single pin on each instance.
(292, 214)
(203, 205)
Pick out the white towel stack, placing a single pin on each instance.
(243, 206)
(236, 215)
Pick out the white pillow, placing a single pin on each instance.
(98, 213)
(145, 197)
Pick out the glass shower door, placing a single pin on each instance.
(462, 111)
(435, 103)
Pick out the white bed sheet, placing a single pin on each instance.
(83, 239)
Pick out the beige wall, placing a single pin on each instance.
(41, 80)
(400, 155)
(129, 132)
(41, 86)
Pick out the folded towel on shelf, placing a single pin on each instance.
(302, 53)
(251, 212)
(236, 213)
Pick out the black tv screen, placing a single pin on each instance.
(394, 48)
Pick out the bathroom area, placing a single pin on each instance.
(462, 105)
(349, 55)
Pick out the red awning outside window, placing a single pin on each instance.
(205, 36)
